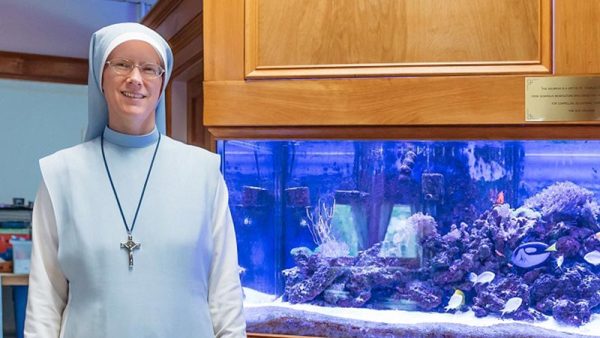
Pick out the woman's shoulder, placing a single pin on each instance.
(78, 150)
(68, 159)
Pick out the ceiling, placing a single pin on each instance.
(61, 27)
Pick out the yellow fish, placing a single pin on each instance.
(456, 301)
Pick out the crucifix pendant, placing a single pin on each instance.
(130, 245)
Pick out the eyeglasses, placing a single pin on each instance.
(149, 71)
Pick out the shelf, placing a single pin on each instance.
(14, 279)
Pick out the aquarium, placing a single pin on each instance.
(353, 238)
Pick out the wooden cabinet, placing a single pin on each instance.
(390, 69)
(308, 63)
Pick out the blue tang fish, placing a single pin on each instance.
(531, 254)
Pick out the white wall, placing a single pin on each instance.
(36, 119)
(58, 27)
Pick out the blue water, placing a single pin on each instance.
(280, 189)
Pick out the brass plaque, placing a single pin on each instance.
(562, 98)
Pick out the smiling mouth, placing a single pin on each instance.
(133, 95)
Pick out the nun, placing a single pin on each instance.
(132, 233)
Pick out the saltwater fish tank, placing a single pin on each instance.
(353, 238)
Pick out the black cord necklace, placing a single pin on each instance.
(129, 245)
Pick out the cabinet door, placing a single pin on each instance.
(302, 38)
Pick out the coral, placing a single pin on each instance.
(564, 286)
(568, 246)
(342, 281)
(423, 224)
(590, 244)
(335, 294)
(449, 277)
(511, 227)
(569, 297)
(528, 315)
(301, 257)
(568, 202)
(334, 248)
(492, 297)
(320, 222)
(310, 287)
(424, 294)
(319, 225)
(405, 166)
(571, 313)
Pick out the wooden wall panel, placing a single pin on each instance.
(168, 17)
(390, 101)
(577, 37)
(43, 68)
(302, 38)
(188, 49)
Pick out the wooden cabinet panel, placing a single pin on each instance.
(577, 37)
(390, 101)
(223, 40)
(301, 38)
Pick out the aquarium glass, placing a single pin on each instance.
(351, 238)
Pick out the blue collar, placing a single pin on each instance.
(130, 141)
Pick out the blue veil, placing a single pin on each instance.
(102, 43)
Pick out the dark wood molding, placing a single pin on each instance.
(44, 68)
(160, 12)
(539, 131)
(189, 32)
(168, 109)
(188, 49)
(191, 68)
(197, 133)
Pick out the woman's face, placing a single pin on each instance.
(132, 98)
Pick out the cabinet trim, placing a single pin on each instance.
(453, 100)
(538, 131)
(160, 12)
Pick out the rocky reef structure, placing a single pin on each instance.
(564, 285)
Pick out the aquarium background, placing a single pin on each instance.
(308, 213)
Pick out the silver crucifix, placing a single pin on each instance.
(130, 245)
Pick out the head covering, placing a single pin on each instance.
(101, 45)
